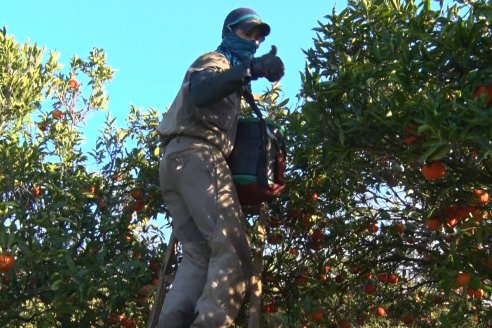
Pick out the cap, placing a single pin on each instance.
(246, 19)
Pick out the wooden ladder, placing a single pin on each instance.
(165, 278)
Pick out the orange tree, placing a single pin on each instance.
(78, 243)
(386, 220)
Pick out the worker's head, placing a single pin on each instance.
(242, 33)
(246, 23)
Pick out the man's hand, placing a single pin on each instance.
(269, 66)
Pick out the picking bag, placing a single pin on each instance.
(257, 162)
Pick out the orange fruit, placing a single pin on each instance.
(344, 324)
(372, 227)
(294, 252)
(270, 308)
(37, 191)
(137, 193)
(43, 126)
(73, 84)
(462, 279)
(6, 262)
(433, 224)
(317, 234)
(392, 278)
(317, 316)
(275, 238)
(380, 311)
(487, 90)
(57, 114)
(383, 277)
(488, 263)
(144, 291)
(479, 216)
(407, 319)
(139, 205)
(480, 197)
(399, 228)
(409, 139)
(451, 222)
(301, 279)
(478, 293)
(103, 204)
(434, 171)
(369, 289)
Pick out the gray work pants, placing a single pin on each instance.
(212, 278)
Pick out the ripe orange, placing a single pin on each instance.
(137, 193)
(439, 298)
(383, 277)
(372, 227)
(275, 238)
(452, 222)
(73, 84)
(37, 191)
(478, 293)
(269, 308)
(399, 228)
(462, 279)
(315, 245)
(144, 291)
(301, 279)
(129, 323)
(483, 89)
(480, 197)
(317, 316)
(139, 205)
(433, 224)
(409, 139)
(306, 222)
(369, 289)
(6, 262)
(43, 126)
(407, 319)
(479, 216)
(103, 204)
(393, 278)
(317, 234)
(380, 311)
(344, 324)
(294, 252)
(434, 171)
(488, 263)
(295, 214)
(57, 114)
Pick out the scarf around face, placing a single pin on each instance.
(236, 49)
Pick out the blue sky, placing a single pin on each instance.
(152, 42)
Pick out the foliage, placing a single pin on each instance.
(389, 86)
(84, 242)
(360, 237)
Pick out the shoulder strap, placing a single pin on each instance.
(262, 167)
(250, 99)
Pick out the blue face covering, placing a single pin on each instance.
(236, 49)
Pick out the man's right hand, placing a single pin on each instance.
(269, 66)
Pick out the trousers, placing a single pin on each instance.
(212, 278)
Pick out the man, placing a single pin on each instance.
(198, 134)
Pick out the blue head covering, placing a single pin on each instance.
(236, 49)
